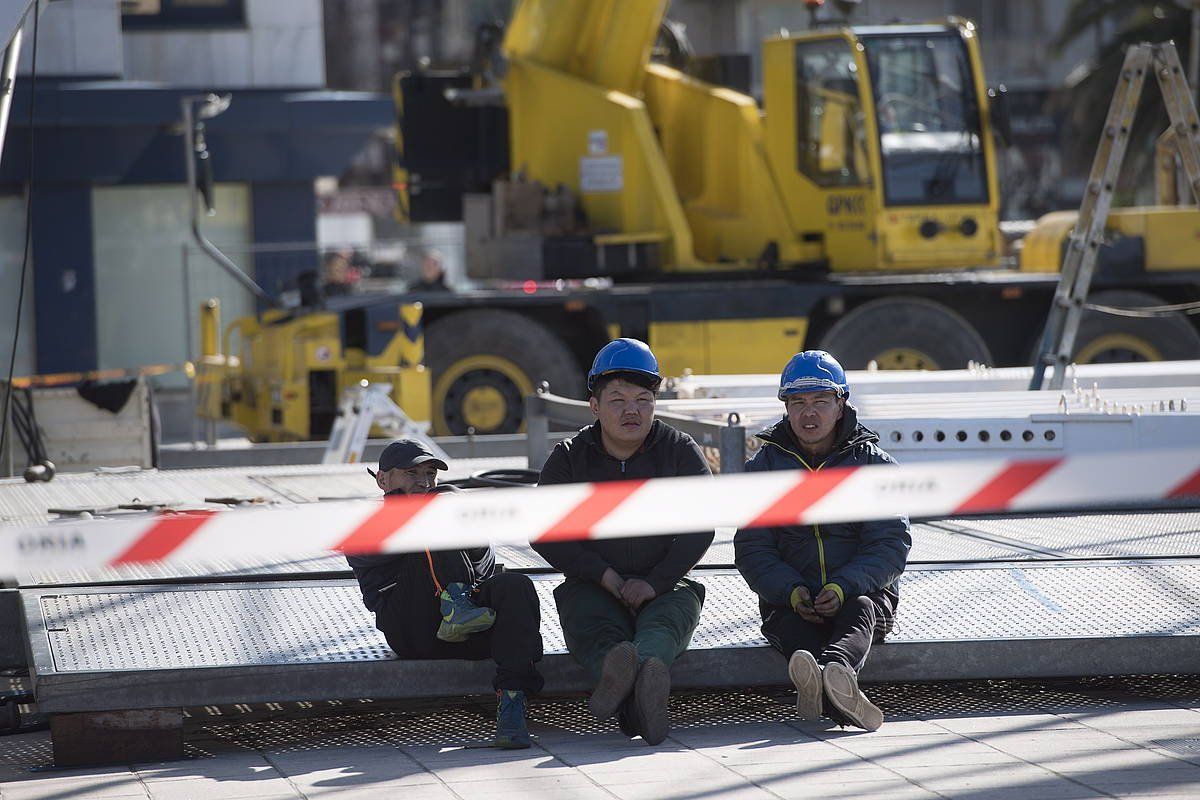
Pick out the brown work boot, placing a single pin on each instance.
(617, 675)
(806, 676)
(651, 693)
(841, 689)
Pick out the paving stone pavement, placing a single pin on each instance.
(1099, 738)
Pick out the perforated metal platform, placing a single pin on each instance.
(180, 645)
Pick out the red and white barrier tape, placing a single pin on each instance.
(610, 510)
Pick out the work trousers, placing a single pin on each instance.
(845, 638)
(593, 621)
(514, 642)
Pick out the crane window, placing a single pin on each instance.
(927, 110)
(829, 114)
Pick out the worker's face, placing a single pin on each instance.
(625, 411)
(431, 268)
(414, 480)
(814, 417)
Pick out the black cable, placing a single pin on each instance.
(1146, 312)
(498, 479)
(12, 362)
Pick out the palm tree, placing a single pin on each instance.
(1127, 22)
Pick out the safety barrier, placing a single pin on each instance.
(613, 510)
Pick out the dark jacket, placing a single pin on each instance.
(410, 575)
(660, 560)
(858, 557)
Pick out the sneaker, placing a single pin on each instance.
(460, 616)
(511, 730)
(617, 675)
(651, 692)
(806, 675)
(841, 689)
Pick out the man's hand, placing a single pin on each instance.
(636, 593)
(802, 604)
(827, 603)
(613, 582)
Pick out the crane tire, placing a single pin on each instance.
(1105, 338)
(484, 362)
(905, 333)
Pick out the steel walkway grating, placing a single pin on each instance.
(182, 627)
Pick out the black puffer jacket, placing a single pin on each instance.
(411, 575)
(857, 557)
(660, 560)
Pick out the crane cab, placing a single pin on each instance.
(880, 141)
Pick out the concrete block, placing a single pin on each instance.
(108, 737)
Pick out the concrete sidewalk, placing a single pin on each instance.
(975, 741)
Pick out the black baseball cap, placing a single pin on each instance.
(405, 453)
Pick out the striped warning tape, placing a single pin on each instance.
(611, 510)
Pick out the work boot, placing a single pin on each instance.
(617, 674)
(806, 675)
(511, 731)
(841, 689)
(651, 693)
(460, 616)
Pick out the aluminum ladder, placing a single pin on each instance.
(1070, 298)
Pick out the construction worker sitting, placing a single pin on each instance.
(453, 603)
(826, 592)
(627, 611)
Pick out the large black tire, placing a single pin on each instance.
(1105, 338)
(905, 333)
(483, 365)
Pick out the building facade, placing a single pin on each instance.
(115, 277)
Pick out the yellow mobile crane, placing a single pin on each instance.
(855, 211)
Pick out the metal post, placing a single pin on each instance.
(537, 430)
(733, 446)
(8, 78)
(189, 146)
(187, 324)
(1194, 49)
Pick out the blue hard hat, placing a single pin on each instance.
(813, 371)
(623, 355)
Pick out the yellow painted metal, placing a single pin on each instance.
(604, 148)
(484, 408)
(210, 327)
(859, 232)
(262, 381)
(407, 347)
(905, 358)
(840, 220)
(1142, 349)
(1170, 236)
(605, 43)
(1042, 248)
(463, 367)
(726, 345)
(902, 247)
(712, 140)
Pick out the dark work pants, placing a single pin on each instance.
(593, 621)
(514, 641)
(845, 638)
